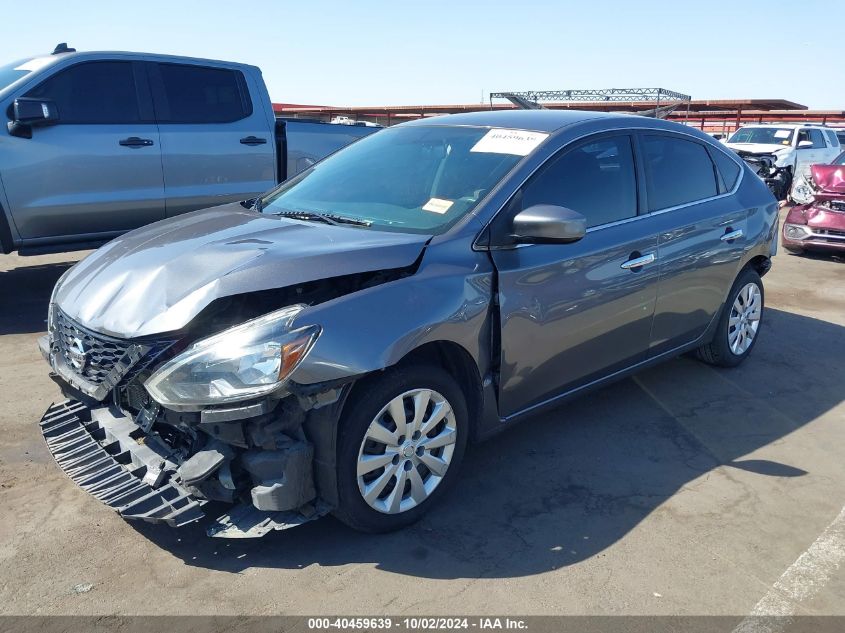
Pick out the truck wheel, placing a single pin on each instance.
(402, 437)
(739, 323)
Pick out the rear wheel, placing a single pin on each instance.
(739, 323)
(403, 436)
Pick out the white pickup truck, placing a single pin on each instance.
(98, 143)
(782, 153)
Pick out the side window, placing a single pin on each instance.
(199, 94)
(677, 172)
(92, 92)
(831, 138)
(817, 139)
(596, 179)
(727, 168)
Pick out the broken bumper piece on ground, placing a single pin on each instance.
(112, 458)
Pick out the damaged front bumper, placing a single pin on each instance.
(137, 474)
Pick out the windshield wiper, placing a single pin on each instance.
(328, 218)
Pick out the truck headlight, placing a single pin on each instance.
(247, 361)
(795, 231)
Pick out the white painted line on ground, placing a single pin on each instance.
(800, 582)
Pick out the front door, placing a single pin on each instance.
(573, 313)
(97, 172)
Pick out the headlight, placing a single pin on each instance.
(795, 231)
(243, 362)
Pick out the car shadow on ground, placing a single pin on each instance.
(25, 293)
(565, 485)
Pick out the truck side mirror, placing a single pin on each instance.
(805, 144)
(28, 113)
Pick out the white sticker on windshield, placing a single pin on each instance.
(516, 142)
(34, 64)
(437, 205)
(782, 133)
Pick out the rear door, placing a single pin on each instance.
(701, 228)
(216, 146)
(97, 172)
(573, 313)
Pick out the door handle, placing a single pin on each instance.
(638, 262)
(730, 235)
(134, 141)
(253, 140)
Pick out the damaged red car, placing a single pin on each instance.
(819, 225)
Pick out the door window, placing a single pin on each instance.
(831, 138)
(727, 168)
(677, 172)
(596, 179)
(92, 92)
(200, 94)
(817, 139)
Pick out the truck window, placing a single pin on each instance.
(817, 139)
(200, 94)
(92, 92)
(677, 172)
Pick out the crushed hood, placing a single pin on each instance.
(158, 278)
(829, 179)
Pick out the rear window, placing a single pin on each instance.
(199, 94)
(727, 168)
(677, 172)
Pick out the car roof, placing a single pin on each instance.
(536, 120)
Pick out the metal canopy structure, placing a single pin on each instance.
(665, 101)
(656, 95)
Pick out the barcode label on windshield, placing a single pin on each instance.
(515, 142)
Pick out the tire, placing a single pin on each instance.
(360, 440)
(731, 345)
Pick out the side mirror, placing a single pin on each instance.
(547, 223)
(805, 144)
(28, 113)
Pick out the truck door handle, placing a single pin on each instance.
(134, 141)
(635, 263)
(731, 235)
(253, 140)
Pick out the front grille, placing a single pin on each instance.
(101, 362)
(102, 354)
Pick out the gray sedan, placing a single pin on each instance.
(335, 345)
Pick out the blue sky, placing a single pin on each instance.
(433, 51)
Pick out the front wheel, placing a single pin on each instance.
(739, 323)
(402, 437)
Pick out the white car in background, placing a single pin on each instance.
(791, 149)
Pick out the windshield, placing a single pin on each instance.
(10, 73)
(767, 135)
(407, 179)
